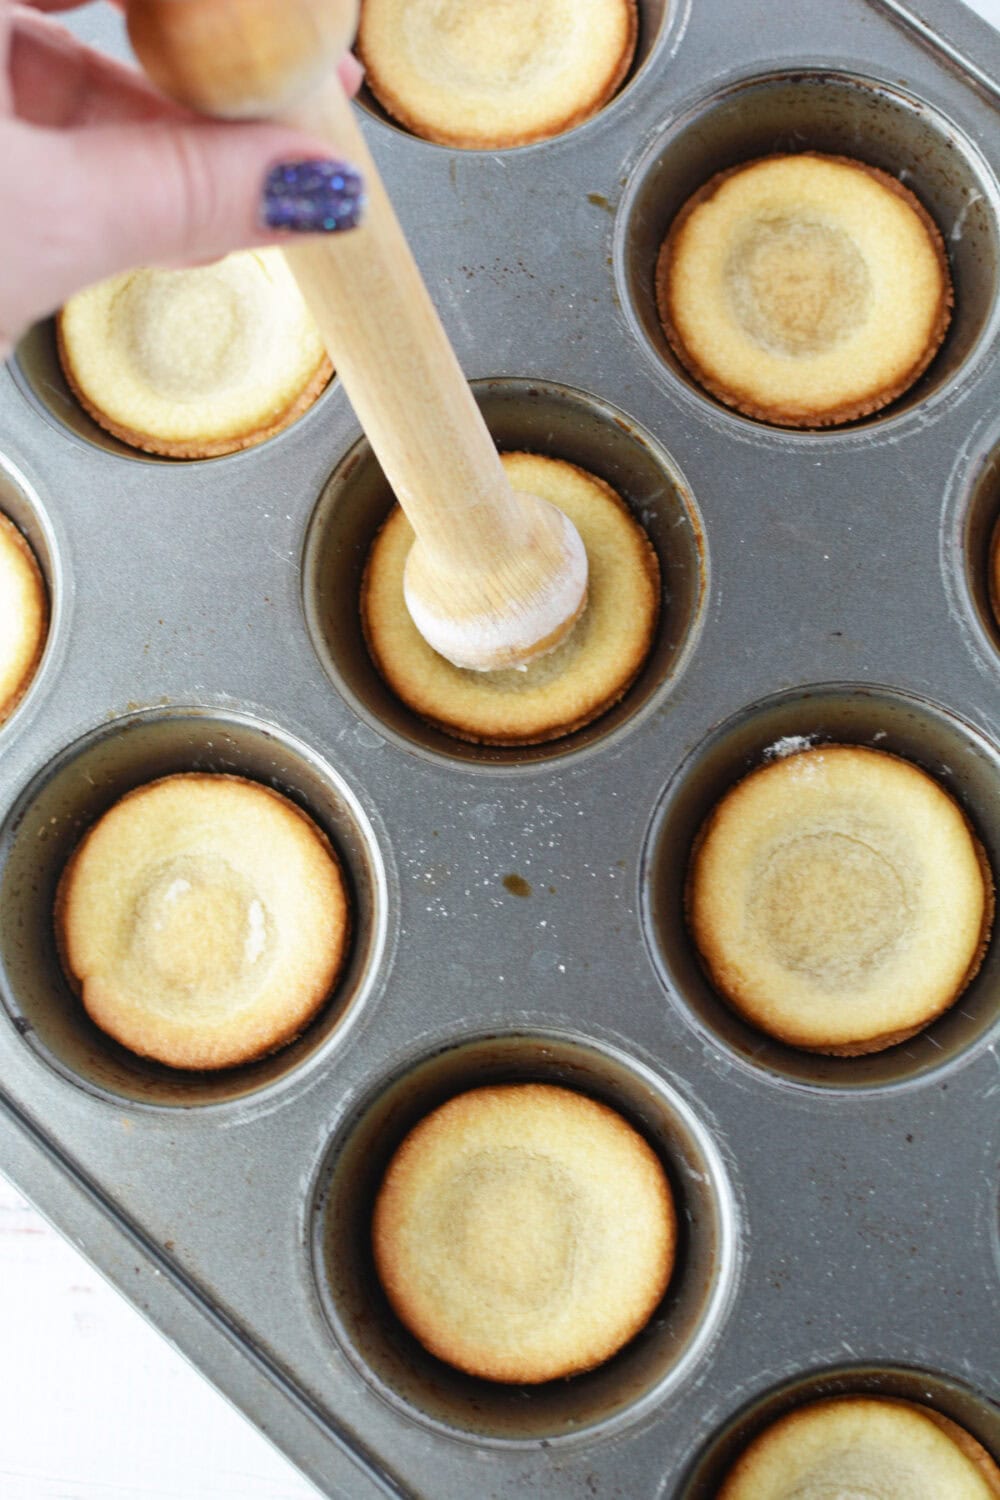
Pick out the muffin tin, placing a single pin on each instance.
(519, 913)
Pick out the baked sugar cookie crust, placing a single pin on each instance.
(203, 920)
(860, 1445)
(24, 617)
(805, 290)
(524, 1232)
(495, 73)
(194, 363)
(839, 899)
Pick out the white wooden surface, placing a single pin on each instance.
(94, 1405)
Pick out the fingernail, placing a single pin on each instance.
(312, 197)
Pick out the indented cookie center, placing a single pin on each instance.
(829, 906)
(508, 1221)
(199, 931)
(852, 1474)
(490, 45)
(797, 286)
(187, 333)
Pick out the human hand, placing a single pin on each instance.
(99, 172)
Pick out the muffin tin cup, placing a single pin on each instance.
(962, 760)
(662, 24)
(664, 1356)
(536, 417)
(922, 1387)
(38, 375)
(970, 543)
(20, 503)
(48, 822)
(836, 113)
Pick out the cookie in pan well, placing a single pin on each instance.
(194, 363)
(561, 691)
(839, 899)
(804, 290)
(863, 1446)
(203, 920)
(24, 616)
(524, 1232)
(497, 72)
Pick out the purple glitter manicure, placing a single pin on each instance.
(312, 197)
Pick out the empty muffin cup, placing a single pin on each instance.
(70, 795)
(656, 1361)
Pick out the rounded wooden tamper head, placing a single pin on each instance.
(240, 59)
(522, 604)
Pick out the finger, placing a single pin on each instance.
(84, 204)
(57, 81)
(61, 4)
(14, 17)
(351, 73)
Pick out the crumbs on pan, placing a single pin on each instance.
(789, 744)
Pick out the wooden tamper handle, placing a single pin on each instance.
(495, 576)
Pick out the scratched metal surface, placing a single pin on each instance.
(840, 1221)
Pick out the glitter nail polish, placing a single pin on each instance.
(312, 197)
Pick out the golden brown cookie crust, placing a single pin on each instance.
(203, 921)
(994, 572)
(560, 692)
(524, 1232)
(796, 413)
(201, 448)
(25, 596)
(807, 899)
(428, 106)
(787, 1459)
(111, 372)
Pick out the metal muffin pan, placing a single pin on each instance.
(518, 913)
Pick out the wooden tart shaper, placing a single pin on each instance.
(561, 691)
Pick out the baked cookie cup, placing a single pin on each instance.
(24, 617)
(863, 1446)
(194, 363)
(498, 72)
(839, 899)
(203, 921)
(806, 290)
(524, 1232)
(556, 693)
(993, 572)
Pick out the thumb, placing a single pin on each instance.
(95, 201)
